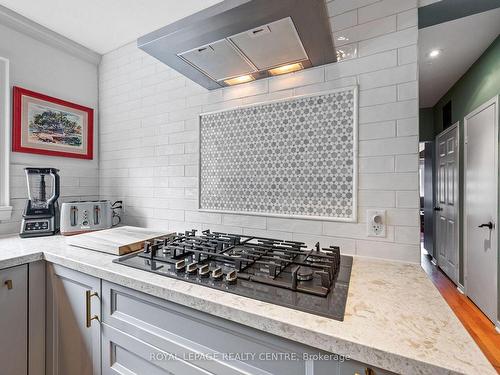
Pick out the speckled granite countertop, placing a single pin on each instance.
(395, 317)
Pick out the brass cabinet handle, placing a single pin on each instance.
(368, 371)
(8, 283)
(88, 296)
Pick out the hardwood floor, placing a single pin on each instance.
(476, 323)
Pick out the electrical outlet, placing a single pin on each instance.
(375, 223)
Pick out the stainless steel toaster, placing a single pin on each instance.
(86, 216)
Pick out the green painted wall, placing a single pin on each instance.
(426, 124)
(479, 84)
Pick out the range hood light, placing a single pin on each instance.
(238, 80)
(286, 69)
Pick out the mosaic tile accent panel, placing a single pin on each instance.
(290, 158)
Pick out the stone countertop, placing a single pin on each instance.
(395, 318)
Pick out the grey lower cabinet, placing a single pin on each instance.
(14, 320)
(73, 338)
(142, 334)
(136, 333)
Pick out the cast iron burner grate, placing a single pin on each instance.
(282, 272)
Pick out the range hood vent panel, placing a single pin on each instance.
(285, 31)
(271, 45)
(219, 60)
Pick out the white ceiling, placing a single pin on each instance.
(461, 42)
(104, 25)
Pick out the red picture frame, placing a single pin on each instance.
(22, 134)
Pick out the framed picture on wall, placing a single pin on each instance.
(50, 126)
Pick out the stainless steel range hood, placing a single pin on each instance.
(241, 40)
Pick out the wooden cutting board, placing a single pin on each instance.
(116, 241)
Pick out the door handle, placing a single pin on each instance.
(88, 302)
(438, 209)
(489, 225)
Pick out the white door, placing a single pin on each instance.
(481, 201)
(446, 209)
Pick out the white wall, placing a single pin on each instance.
(149, 133)
(41, 67)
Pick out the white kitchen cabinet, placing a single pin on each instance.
(14, 320)
(73, 338)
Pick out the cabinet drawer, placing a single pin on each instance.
(124, 354)
(14, 320)
(232, 348)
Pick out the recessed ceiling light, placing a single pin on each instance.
(434, 53)
(238, 80)
(341, 38)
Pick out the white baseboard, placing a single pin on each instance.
(497, 327)
(460, 288)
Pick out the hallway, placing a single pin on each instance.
(476, 323)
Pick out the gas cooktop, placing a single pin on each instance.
(285, 273)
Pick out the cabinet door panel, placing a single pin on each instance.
(72, 347)
(125, 354)
(14, 320)
(183, 332)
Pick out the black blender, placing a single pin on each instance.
(41, 214)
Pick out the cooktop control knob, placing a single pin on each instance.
(217, 273)
(231, 277)
(192, 268)
(204, 271)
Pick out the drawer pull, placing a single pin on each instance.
(88, 296)
(8, 283)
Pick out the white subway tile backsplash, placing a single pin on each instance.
(407, 55)
(379, 164)
(389, 111)
(407, 235)
(247, 221)
(325, 86)
(396, 251)
(148, 127)
(302, 78)
(387, 42)
(388, 146)
(391, 76)
(407, 199)
(247, 89)
(388, 181)
(407, 91)
(376, 198)
(344, 20)
(384, 8)
(403, 216)
(361, 65)
(407, 163)
(379, 95)
(336, 7)
(294, 225)
(203, 217)
(407, 126)
(377, 130)
(365, 31)
(408, 18)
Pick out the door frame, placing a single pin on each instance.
(436, 198)
(494, 100)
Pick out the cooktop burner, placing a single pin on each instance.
(281, 272)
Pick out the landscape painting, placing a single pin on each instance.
(50, 126)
